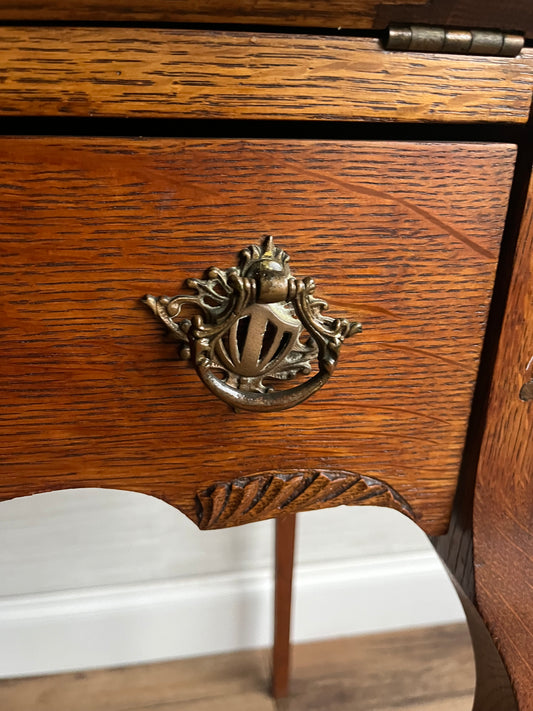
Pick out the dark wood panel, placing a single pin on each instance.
(197, 74)
(403, 237)
(345, 14)
(503, 504)
(320, 13)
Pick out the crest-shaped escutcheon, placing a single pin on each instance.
(255, 325)
(259, 341)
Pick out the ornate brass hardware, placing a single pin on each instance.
(256, 324)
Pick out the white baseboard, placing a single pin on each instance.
(114, 626)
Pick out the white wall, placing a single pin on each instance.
(94, 578)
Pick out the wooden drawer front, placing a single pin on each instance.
(403, 237)
(200, 74)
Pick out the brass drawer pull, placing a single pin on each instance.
(249, 330)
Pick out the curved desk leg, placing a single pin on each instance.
(489, 547)
(285, 534)
(494, 691)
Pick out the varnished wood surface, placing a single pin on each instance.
(118, 72)
(321, 13)
(281, 652)
(334, 14)
(412, 670)
(503, 504)
(403, 237)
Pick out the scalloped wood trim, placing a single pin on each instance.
(271, 494)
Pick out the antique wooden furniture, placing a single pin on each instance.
(384, 176)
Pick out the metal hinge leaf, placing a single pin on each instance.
(428, 38)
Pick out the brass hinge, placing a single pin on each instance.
(427, 38)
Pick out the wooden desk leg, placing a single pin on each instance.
(285, 532)
(488, 547)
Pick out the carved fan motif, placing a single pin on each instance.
(272, 494)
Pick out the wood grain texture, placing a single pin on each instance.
(428, 669)
(342, 14)
(274, 494)
(415, 670)
(512, 15)
(320, 13)
(236, 682)
(281, 649)
(403, 237)
(503, 503)
(112, 72)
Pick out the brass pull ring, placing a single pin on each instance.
(248, 330)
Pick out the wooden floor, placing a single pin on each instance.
(415, 670)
